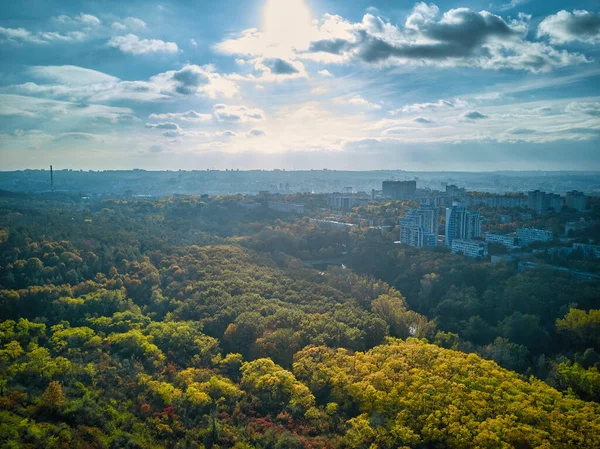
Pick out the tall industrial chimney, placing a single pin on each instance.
(51, 179)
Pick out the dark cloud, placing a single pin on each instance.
(256, 133)
(74, 137)
(463, 35)
(189, 79)
(167, 126)
(422, 120)
(280, 67)
(335, 46)
(461, 38)
(474, 115)
(237, 114)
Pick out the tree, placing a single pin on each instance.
(54, 396)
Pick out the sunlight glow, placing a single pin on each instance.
(287, 22)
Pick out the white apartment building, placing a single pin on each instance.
(470, 248)
(527, 236)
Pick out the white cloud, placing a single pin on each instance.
(238, 114)
(130, 23)
(440, 104)
(360, 101)
(23, 36)
(132, 44)
(70, 75)
(119, 27)
(44, 109)
(193, 42)
(565, 27)
(592, 109)
(513, 4)
(81, 19)
(189, 116)
(325, 73)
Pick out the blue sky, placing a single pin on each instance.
(300, 84)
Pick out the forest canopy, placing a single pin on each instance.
(191, 324)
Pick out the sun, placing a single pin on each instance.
(287, 22)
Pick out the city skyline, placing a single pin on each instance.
(358, 85)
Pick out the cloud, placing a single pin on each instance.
(277, 69)
(189, 116)
(474, 115)
(81, 19)
(227, 134)
(520, 131)
(45, 109)
(196, 80)
(422, 120)
(238, 114)
(513, 4)
(167, 126)
(23, 36)
(459, 38)
(592, 109)
(440, 104)
(70, 75)
(256, 133)
(193, 42)
(79, 84)
(565, 27)
(278, 66)
(155, 149)
(325, 73)
(137, 91)
(132, 44)
(360, 101)
(75, 137)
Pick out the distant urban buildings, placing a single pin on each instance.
(527, 236)
(470, 248)
(504, 219)
(541, 202)
(510, 241)
(497, 201)
(419, 227)
(455, 192)
(589, 251)
(399, 190)
(346, 201)
(576, 200)
(462, 224)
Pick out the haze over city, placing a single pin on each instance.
(300, 84)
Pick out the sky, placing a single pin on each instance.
(461, 85)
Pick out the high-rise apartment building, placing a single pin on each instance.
(461, 224)
(420, 226)
(399, 190)
(542, 202)
(576, 200)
